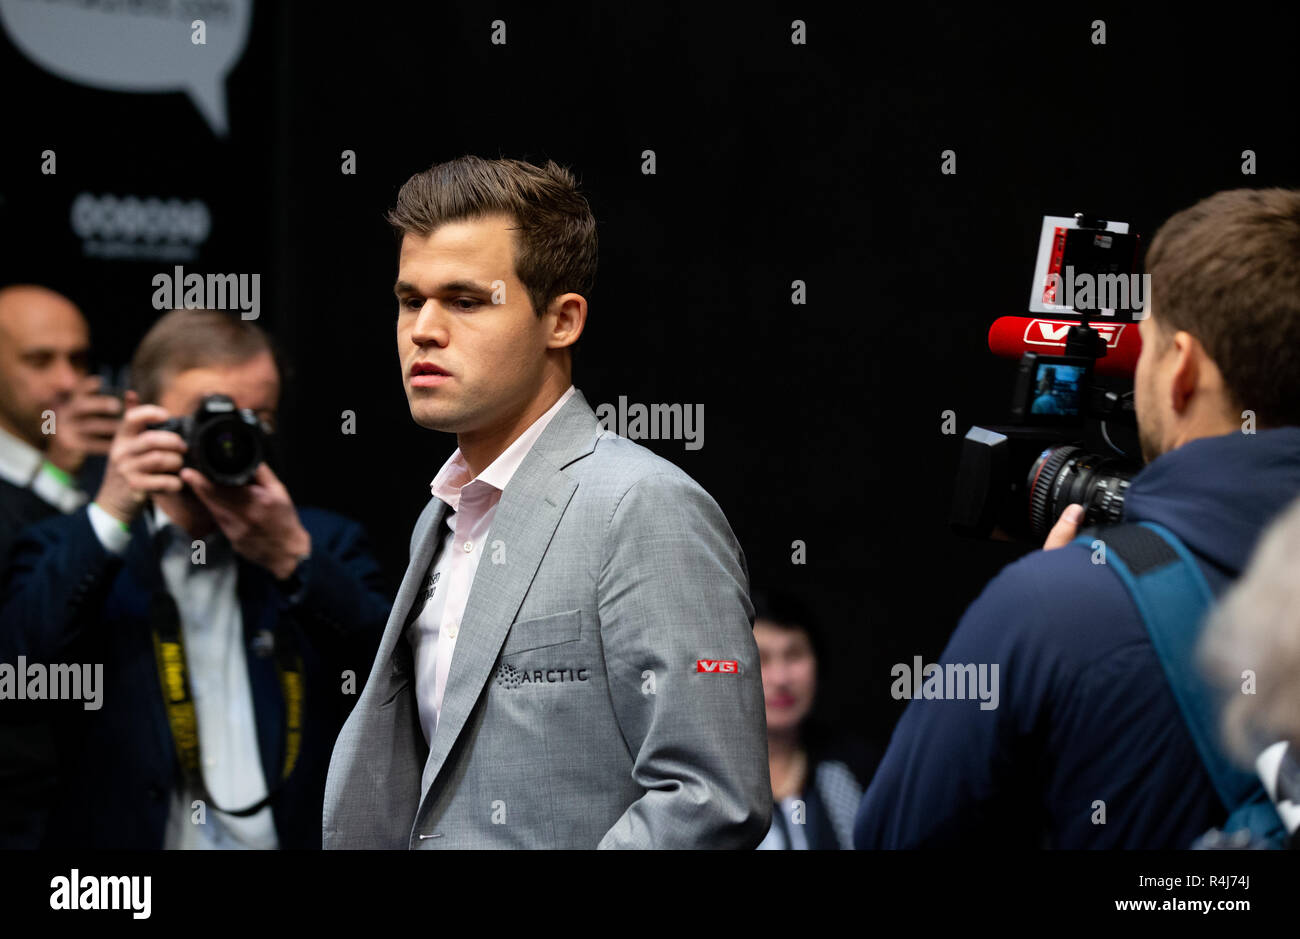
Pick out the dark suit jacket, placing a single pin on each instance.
(27, 759)
(19, 508)
(28, 762)
(68, 600)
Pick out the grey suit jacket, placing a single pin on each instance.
(585, 705)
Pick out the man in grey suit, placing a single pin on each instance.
(570, 660)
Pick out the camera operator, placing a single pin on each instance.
(219, 613)
(1089, 747)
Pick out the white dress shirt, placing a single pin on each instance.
(26, 467)
(212, 628)
(472, 505)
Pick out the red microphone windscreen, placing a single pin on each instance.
(1013, 336)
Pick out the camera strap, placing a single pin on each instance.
(173, 675)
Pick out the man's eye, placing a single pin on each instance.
(415, 304)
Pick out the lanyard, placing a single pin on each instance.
(173, 675)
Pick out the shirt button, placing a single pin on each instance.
(452, 630)
(210, 762)
(469, 546)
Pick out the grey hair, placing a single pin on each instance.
(1255, 628)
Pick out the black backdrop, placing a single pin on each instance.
(776, 162)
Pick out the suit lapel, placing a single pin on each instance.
(525, 521)
(141, 578)
(258, 613)
(526, 517)
(424, 543)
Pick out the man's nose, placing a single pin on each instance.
(430, 325)
(66, 378)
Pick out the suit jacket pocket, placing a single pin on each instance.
(542, 631)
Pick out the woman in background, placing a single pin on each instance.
(817, 778)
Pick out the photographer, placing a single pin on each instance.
(226, 620)
(1089, 747)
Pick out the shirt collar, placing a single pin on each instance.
(19, 460)
(26, 467)
(453, 477)
(164, 530)
(161, 527)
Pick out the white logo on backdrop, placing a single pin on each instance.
(136, 47)
(140, 229)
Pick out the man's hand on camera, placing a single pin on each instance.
(86, 424)
(1066, 527)
(259, 519)
(140, 461)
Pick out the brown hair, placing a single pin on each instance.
(186, 339)
(556, 248)
(1227, 270)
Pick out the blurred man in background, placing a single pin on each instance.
(234, 630)
(51, 420)
(50, 417)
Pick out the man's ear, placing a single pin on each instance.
(1187, 352)
(570, 316)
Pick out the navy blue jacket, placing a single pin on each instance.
(68, 600)
(1084, 712)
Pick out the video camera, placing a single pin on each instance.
(1072, 431)
(225, 444)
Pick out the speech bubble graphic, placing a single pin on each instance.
(135, 47)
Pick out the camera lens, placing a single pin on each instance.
(1062, 475)
(228, 451)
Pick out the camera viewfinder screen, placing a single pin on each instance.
(1056, 389)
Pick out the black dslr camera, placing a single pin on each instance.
(225, 444)
(1072, 432)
